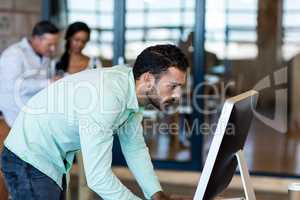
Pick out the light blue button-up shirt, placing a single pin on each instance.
(84, 111)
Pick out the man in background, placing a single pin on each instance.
(24, 68)
(24, 71)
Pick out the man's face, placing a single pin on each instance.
(46, 44)
(167, 89)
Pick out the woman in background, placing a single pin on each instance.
(73, 60)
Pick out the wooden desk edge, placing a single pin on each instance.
(190, 179)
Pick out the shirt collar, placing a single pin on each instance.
(26, 44)
(132, 102)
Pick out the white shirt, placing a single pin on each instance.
(23, 73)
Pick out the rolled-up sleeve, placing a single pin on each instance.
(137, 156)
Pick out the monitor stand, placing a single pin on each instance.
(247, 186)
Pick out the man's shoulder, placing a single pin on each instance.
(113, 79)
(118, 73)
(14, 49)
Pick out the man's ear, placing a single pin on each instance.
(149, 80)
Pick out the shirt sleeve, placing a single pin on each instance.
(137, 156)
(96, 139)
(15, 90)
(14, 77)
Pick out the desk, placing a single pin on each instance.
(263, 186)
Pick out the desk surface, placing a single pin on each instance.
(260, 183)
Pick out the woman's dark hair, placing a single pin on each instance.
(63, 63)
(157, 59)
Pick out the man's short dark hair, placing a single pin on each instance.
(44, 27)
(157, 59)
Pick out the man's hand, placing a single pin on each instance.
(162, 196)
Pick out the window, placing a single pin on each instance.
(231, 28)
(98, 14)
(291, 28)
(153, 21)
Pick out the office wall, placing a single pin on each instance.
(17, 17)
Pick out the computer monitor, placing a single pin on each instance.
(225, 152)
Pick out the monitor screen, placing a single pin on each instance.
(230, 136)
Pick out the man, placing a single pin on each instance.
(84, 111)
(23, 73)
(24, 69)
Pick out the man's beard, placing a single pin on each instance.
(153, 101)
(168, 106)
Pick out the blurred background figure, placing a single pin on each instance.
(73, 60)
(26, 63)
